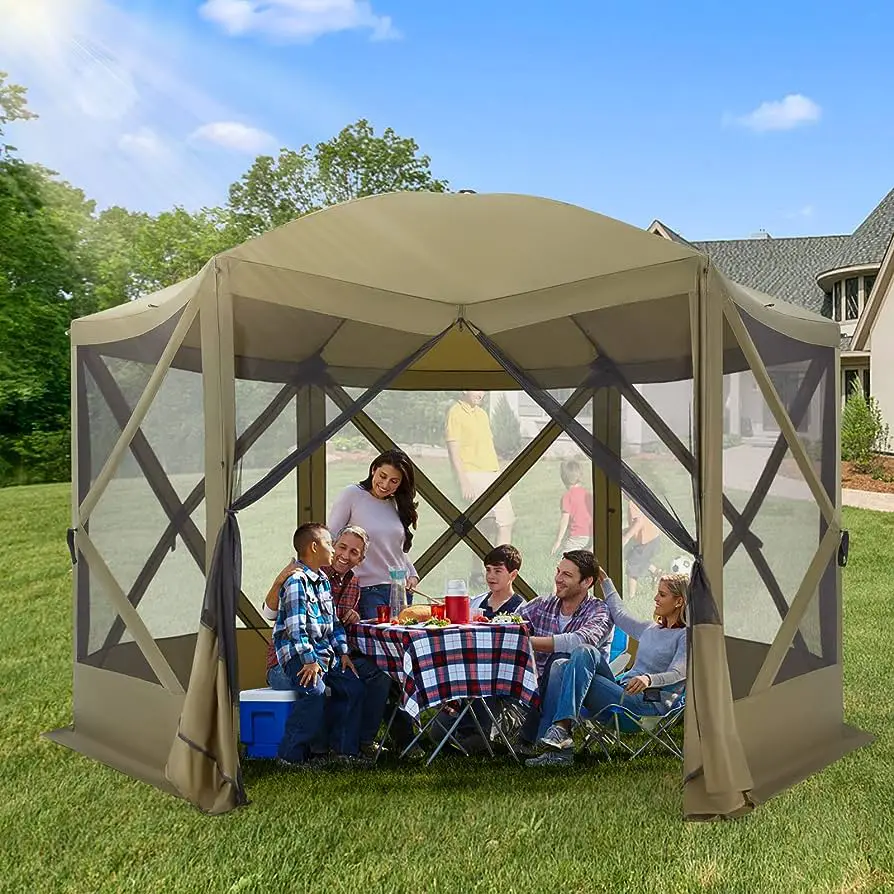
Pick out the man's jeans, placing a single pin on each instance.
(535, 723)
(314, 716)
(585, 680)
(377, 686)
(402, 728)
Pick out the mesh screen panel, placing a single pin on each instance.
(144, 524)
(763, 479)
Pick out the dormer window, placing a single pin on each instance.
(849, 295)
(868, 283)
(852, 298)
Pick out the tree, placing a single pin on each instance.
(44, 283)
(113, 241)
(353, 164)
(41, 288)
(175, 245)
(506, 429)
(13, 107)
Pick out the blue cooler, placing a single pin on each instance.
(262, 719)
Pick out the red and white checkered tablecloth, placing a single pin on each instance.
(435, 665)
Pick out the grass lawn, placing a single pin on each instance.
(69, 825)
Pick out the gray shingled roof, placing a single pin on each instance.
(788, 268)
(785, 268)
(871, 238)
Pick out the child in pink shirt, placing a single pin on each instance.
(576, 522)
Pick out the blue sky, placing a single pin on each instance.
(720, 119)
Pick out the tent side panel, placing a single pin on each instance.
(794, 729)
(123, 722)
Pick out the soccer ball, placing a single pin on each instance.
(682, 565)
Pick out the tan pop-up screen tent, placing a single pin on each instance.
(203, 417)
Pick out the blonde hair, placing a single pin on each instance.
(678, 584)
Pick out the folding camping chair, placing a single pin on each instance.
(604, 729)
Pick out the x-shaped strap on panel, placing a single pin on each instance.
(751, 542)
(179, 513)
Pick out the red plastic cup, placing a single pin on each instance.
(438, 610)
(383, 613)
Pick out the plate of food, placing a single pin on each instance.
(505, 618)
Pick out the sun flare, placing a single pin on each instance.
(39, 25)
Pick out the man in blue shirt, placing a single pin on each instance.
(312, 654)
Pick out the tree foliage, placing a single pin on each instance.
(61, 259)
(506, 429)
(353, 164)
(13, 107)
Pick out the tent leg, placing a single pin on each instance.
(310, 410)
(219, 393)
(608, 520)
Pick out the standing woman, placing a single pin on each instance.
(384, 504)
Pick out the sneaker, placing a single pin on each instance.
(524, 749)
(557, 738)
(371, 750)
(552, 759)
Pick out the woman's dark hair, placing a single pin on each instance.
(405, 495)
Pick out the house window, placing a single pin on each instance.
(868, 283)
(851, 377)
(836, 302)
(852, 298)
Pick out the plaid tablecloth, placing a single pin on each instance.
(439, 665)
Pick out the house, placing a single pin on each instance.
(845, 277)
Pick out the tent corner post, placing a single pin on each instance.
(708, 370)
(219, 395)
(608, 519)
(310, 417)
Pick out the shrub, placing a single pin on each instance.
(506, 429)
(341, 443)
(39, 457)
(864, 433)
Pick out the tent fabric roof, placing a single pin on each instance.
(415, 262)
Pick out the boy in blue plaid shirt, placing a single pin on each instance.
(312, 654)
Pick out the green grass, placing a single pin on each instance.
(69, 825)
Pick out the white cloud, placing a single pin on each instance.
(144, 143)
(233, 135)
(300, 21)
(802, 213)
(794, 110)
